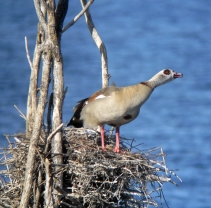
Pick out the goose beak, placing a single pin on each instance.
(177, 75)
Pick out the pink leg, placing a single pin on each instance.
(102, 131)
(117, 149)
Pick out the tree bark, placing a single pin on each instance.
(48, 46)
(32, 94)
(29, 173)
(56, 19)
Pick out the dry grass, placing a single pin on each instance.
(92, 178)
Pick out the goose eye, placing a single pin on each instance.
(166, 72)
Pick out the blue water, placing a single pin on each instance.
(141, 37)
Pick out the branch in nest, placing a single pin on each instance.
(92, 178)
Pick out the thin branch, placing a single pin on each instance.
(65, 91)
(20, 142)
(78, 16)
(164, 162)
(51, 136)
(38, 188)
(8, 169)
(32, 94)
(50, 106)
(40, 15)
(22, 115)
(60, 13)
(99, 43)
(8, 138)
(29, 172)
(27, 53)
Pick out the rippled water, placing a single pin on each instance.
(141, 37)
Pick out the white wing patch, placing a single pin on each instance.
(100, 96)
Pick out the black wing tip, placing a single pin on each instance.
(75, 120)
(76, 123)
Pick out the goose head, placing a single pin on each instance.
(162, 77)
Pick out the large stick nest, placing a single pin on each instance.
(92, 178)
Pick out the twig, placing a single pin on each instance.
(51, 136)
(20, 142)
(164, 162)
(50, 106)
(22, 115)
(11, 189)
(174, 174)
(8, 138)
(131, 144)
(78, 16)
(27, 53)
(65, 91)
(8, 169)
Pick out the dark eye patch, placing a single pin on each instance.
(167, 71)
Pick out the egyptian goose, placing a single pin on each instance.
(117, 106)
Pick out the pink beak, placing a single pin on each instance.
(178, 75)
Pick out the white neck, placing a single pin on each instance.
(156, 81)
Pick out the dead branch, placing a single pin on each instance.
(51, 136)
(61, 11)
(21, 114)
(48, 186)
(27, 53)
(40, 14)
(78, 16)
(36, 131)
(47, 47)
(50, 107)
(41, 8)
(33, 86)
(98, 41)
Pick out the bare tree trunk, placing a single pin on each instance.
(47, 46)
(29, 173)
(58, 94)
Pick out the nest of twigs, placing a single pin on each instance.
(91, 178)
